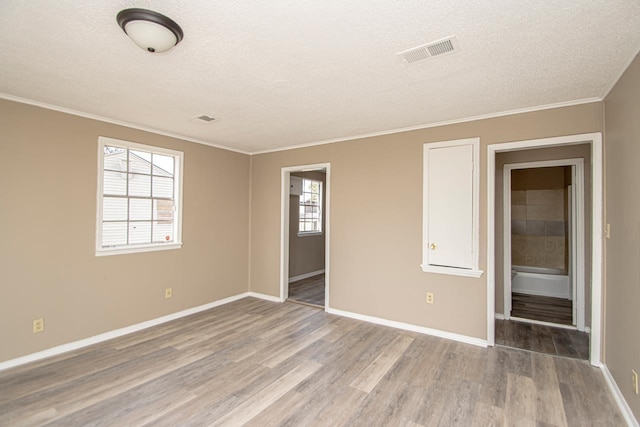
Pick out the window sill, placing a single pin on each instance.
(309, 234)
(137, 249)
(452, 271)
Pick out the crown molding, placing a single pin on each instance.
(435, 124)
(309, 144)
(115, 122)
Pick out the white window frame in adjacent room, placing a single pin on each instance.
(178, 157)
(472, 270)
(314, 232)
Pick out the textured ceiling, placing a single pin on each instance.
(281, 73)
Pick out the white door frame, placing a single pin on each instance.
(595, 139)
(578, 263)
(284, 227)
(573, 238)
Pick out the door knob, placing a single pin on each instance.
(433, 246)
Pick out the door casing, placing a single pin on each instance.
(284, 227)
(578, 262)
(595, 140)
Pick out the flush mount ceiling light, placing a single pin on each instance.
(150, 30)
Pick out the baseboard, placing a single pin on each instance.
(264, 296)
(305, 275)
(619, 398)
(409, 327)
(499, 316)
(54, 351)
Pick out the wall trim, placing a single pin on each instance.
(499, 316)
(114, 121)
(309, 144)
(263, 296)
(451, 271)
(75, 345)
(409, 327)
(305, 275)
(435, 124)
(627, 413)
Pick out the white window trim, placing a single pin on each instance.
(177, 243)
(455, 271)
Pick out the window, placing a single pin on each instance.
(310, 216)
(139, 200)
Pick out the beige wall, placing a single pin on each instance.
(376, 219)
(47, 223)
(550, 178)
(539, 217)
(539, 154)
(306, 253)
(48, 266)
(622, 250)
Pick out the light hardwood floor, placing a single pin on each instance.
(260, 363)
(308, 291)
(543, 339)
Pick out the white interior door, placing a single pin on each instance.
(450, 227)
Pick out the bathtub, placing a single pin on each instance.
(550, 282)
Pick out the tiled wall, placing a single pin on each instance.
(538, 228)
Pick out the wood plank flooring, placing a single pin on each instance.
(543, 339)
(546, 309)
(308, 291)
(258, 363)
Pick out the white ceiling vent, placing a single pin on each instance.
(203, 119)
(430, 50)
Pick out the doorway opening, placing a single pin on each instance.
(544, 240)
(544, 260)
(305, 235)
(582, 265)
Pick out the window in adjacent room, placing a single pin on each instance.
(139, 200)
(310, 216)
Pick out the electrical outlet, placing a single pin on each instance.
(430, 298)
(38, 325)
(168, 293)
(607, 231)
(634, 381)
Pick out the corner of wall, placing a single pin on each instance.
(249, 226)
